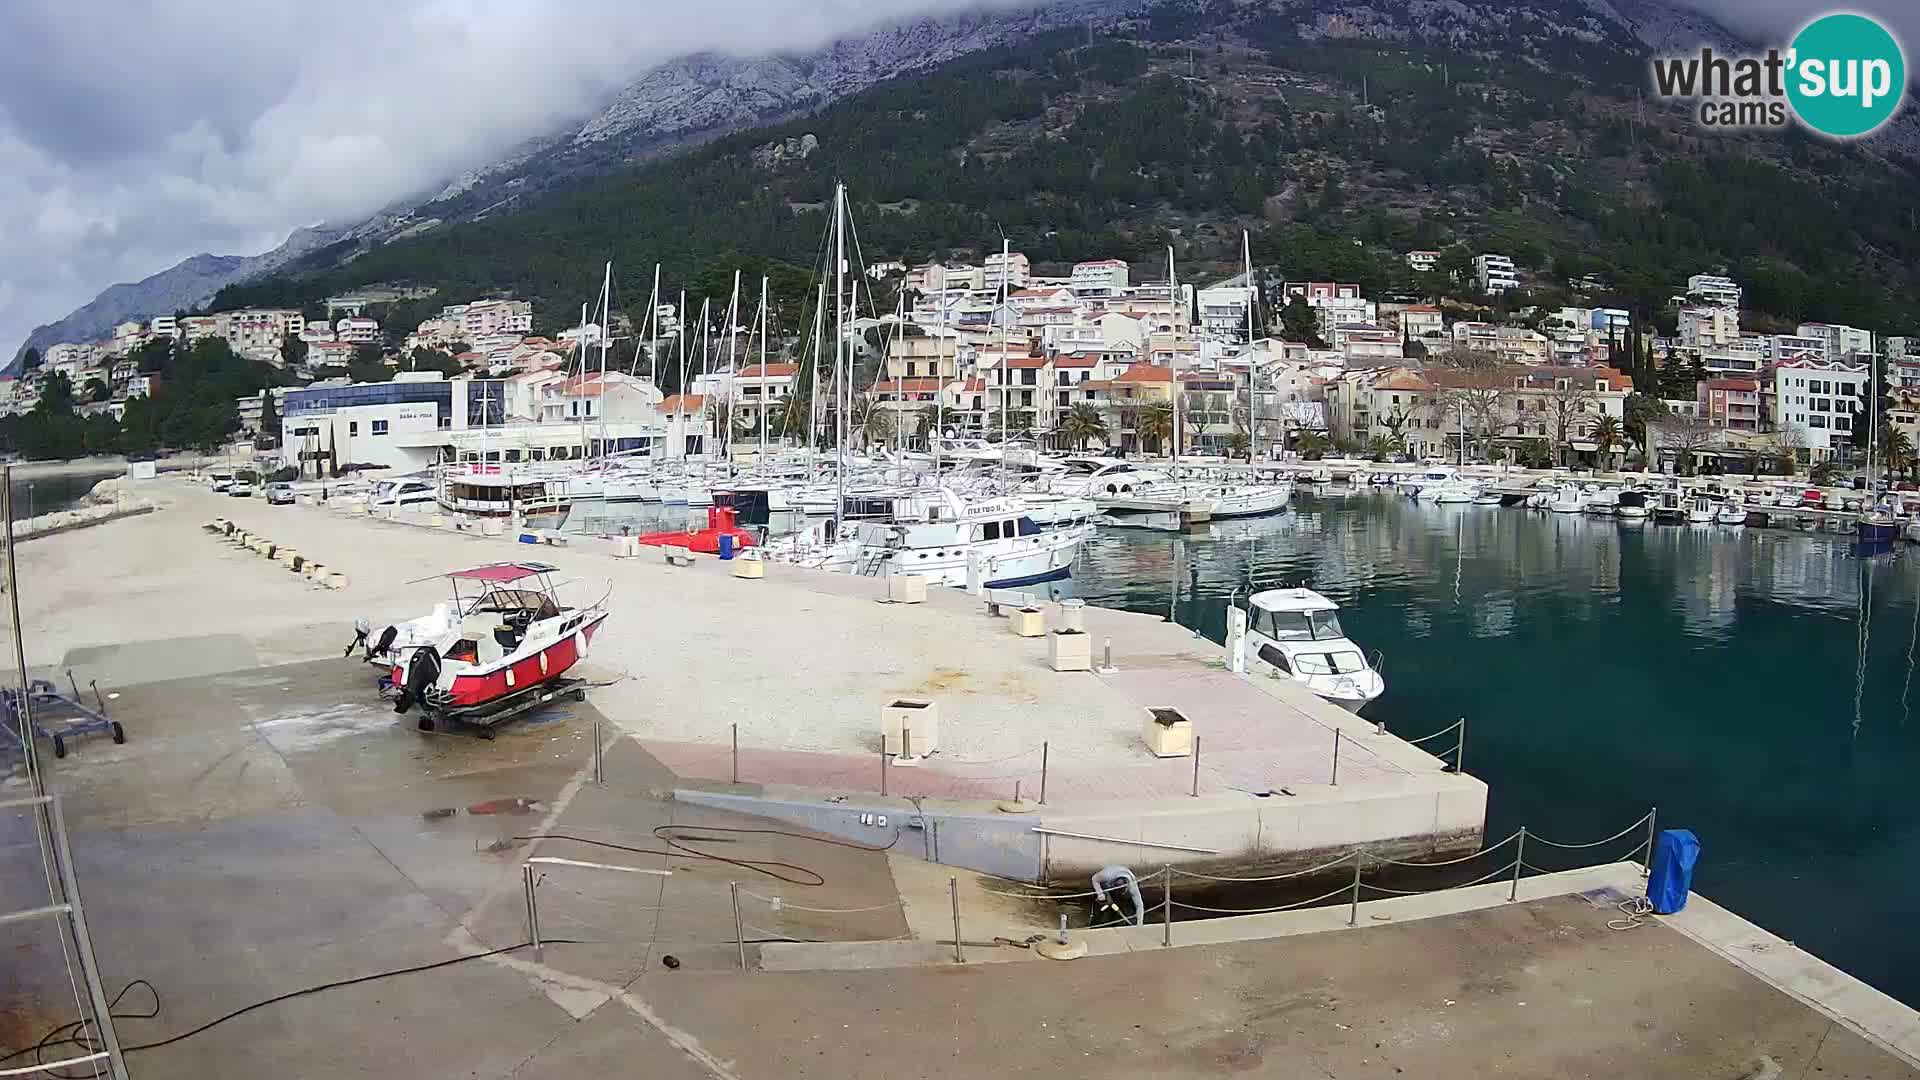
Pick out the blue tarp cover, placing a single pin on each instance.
(1674, 853)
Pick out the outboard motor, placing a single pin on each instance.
(385, 642)
(423, 669)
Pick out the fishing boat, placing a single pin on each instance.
(1668, 507)
(506, 641)
(1296, 634)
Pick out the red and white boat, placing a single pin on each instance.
(506, 642)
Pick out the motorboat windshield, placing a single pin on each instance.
(1315, 625)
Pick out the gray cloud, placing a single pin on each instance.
(134, 134)
(1776, 20)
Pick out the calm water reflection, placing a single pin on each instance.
(1604, 669)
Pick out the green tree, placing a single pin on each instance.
(1606, 432)
(95, 391)
(1299, 322)
(1312, 445)
(1380, 448)
(1083, 424)
(1155, 425)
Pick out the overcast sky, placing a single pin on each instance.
(134, 133)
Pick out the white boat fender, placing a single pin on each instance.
(580, 644)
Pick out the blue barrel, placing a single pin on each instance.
(726, 545)
(1671, 879)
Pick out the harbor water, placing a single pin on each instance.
(1723, 674)
(43, 491)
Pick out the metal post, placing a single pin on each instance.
(739, 932)
(1519, 861)
(906, 740)
(953, 892)
(1196, 766)
(1460, 750)
(1336, 757)
(70, 885)
(1166, 905)
(736, 753)
(1106, 656)
(883, 768)
(599, 765)
(1043, 774)
(532, 885)
(1653, 821)
(1353, 909)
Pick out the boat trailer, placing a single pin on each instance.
(55, 717)
(487, 719)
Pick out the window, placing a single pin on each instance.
(1816, 421)
(1841, 423)
(379, 427)
(1298, 625)
(990, 531)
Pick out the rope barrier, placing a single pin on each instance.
(1481, 880)
(1450, 727)
(1451, 862)
(1347, 858)
(1577, 847)
(1343, 890)
(781, 905)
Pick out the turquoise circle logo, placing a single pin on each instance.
(1847, 75)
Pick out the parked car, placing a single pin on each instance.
(279, 494)
(240, 489)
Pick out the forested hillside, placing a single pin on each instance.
(1516, 131)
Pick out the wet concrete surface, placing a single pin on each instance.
(268, 830)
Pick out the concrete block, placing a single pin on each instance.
(676, 555)
(626, 547)
(749, 568)
(437, 521)
(1073, 614)
(313, 570)
(336, 581)
(920, 715)
(1027, 622)
(492, 527)
(906, 589)
(1168, 733)
(1070, 651)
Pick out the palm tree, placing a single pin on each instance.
(1607, 432)
(1156, 425)
(790, 416)
(1380, 448)
(1896, 451)
(1311, 445)
(1082, 424)
(1238, 442)
(878, 426)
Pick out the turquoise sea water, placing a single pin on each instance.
(1603, 669)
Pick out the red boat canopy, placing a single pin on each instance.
(510, 571)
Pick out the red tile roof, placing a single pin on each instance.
(1075, 360)
(681, 404)
(770, 371)
(1021, 363)
(1145, 373)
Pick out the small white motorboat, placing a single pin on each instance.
(1731, 513)
(1701, 510)
(1295, 634)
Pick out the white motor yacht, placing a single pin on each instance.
(1701, 510)
(1603, 503)
(1296, 634)
(940, 536)
(1453, 492)
(1630, 507)
(1568, 499)
(395, 492)
(1414, 483)
(1731, 513)
(1092, 477)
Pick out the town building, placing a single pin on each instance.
(1224, 310)
(1099, 278)
(1715, 290)
(1815, 403)
(1419, 321)
(1423, 261)
(400, 425)
(1708, 327)
(1731, 403)
(357, 330)
(1842, 342)
(1495, 273)
(1009, 270)
(760, 391)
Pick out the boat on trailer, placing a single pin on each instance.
(504, 645)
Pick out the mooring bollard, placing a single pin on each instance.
(1106, 656)
(1196, 766)
(1043, 774)
(1519, 860)
(1353, 910)
(739, 931)
(953, 891)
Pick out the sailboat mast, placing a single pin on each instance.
(1253, 378)
(813, 379)
(939, 369)
(842, 398)
(1006, 372)
(733, 366)
(763, 370)
(1173, 362)
(653, 326)
(606, 343)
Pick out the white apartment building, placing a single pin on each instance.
(1817, 401)
(760, 389)
(1797, 347)
(1708, 327)
(1714, 289)
(164, 326)
(1422, 321)
(357, 330)
(1495, 273)
(1423, 261)
(1364, 341)
(1840, 341)
(1743, 356)
(1010, 270)
(486, 318)
(1223, 310)
(1099, 278)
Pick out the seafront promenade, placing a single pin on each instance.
(270, 825)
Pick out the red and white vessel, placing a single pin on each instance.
(508, 641)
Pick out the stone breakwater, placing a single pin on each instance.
(109, 500)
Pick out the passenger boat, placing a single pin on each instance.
(492, 491)
(508, 638)
(1296, 634)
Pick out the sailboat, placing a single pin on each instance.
(1876, 525)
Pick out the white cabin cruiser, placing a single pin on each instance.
(940, 536)
(1091, 477)
(1296, 634)
(1415, 483)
